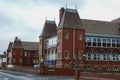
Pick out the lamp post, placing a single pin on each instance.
(73, 65)
(82, 59)
(41, 65)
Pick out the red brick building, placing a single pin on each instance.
(3, 60)
(90, 44)
(22, 53)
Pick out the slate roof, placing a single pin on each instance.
(70, 19)
(10, 46)
(49, 29)
(30, 45)
(17, 43)
(101, 27)
(116, 20)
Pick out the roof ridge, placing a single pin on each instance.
(50, 21)
(71, 10)
(95, 20)
(30, 41)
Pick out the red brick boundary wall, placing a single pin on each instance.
(58, 71)
(99, 76)
(30, 70)
(84, 75)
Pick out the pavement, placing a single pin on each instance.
(38, 77)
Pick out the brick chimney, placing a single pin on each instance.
(61, 12)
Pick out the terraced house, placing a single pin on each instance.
(90, 44)
(22, 53)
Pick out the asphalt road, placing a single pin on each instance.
(11, 75)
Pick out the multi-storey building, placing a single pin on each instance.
(91, 44)
(22, 53)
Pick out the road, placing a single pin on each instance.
(10, 75)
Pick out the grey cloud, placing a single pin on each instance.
(59, 3)
(23, 3)
(71, 3)
(4, 20)
(9, 29)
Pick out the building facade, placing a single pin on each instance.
(79, 43)
(3, 60)
(22, 53)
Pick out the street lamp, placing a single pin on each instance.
(41, 65)
(82, 59)
(73, 65)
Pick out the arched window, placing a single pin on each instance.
(106, 55)
(88, 54)
(96, 55)
(115, 55)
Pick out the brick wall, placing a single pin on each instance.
(99, 76)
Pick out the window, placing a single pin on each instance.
(113, 42)
(59, 55)
(108, 42)
(59, 35)
(106, 55)
(115, 57)
(104, 42)
(88, 41)
(26, 60)
(94, 41)
(118, 42)
(66, 54)
(96, 55)
(26, 53)
(20, 60)
(99, 41)
(80, 55)
(66, 35)
(14, 53)
(80, 35)
(88, 56)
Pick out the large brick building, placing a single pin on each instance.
(91, 44)
(22, 53)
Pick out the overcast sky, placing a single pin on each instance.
(25, 18)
